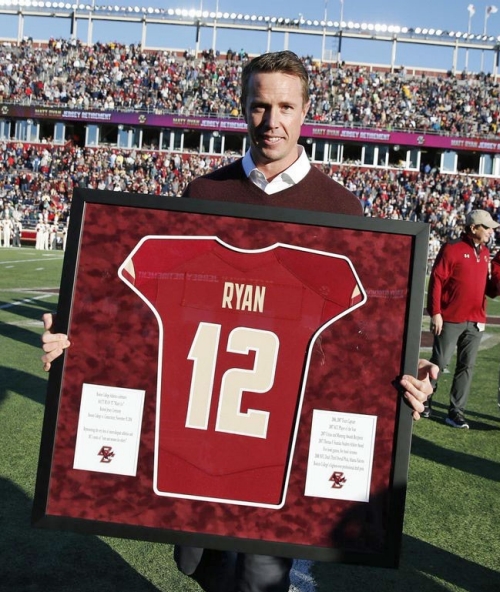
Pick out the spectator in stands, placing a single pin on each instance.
(493, 291)
(117, 76)
(71, 73)
(442, 200)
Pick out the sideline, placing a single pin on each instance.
(488, 341)
(47, 258)
(25, 301)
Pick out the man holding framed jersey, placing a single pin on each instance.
(274, 172)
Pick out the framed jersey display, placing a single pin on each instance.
(232, 377)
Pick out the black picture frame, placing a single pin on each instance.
(370, 348)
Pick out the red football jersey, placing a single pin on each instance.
(236, 332)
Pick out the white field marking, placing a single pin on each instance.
(37, 290)
(25, 301)
(300, 577)
(30, 323)
(488, 341)
(47, 258)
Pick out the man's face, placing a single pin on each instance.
(274, 112)
(481, 234)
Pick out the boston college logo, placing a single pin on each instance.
(107, 454)
(338, 480)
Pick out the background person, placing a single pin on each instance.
(457, 306)
(493, 291)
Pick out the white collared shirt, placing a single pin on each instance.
(291, 176)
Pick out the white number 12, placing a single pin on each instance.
(259, 379)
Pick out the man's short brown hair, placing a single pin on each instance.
(285, 62)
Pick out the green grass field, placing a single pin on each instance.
(452, 524)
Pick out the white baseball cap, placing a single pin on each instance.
(480, 218)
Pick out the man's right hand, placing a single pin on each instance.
(53, 344)
(437, 324)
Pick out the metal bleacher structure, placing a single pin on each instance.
(216, 135)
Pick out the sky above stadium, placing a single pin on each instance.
(450, 15)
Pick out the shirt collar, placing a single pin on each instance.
(291, 176)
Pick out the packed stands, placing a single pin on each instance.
(39, 178)
(116, 76)
(35, 179)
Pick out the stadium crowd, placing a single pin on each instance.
(117, 76)
(38, 180)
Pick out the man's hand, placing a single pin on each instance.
(53, 344)
(417, 390)
(437, 324)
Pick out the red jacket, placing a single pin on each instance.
(494, 283)
(458, 282)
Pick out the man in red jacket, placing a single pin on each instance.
(457, 306)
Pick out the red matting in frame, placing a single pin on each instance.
(353, 368)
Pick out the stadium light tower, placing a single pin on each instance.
(472, 12)
(214, 32)
(323, 45)
(339, 49)
(325, 21)
(90, 25)
(488, 10)
(198, 32)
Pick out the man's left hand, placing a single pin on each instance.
(418, 390)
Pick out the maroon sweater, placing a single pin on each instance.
(316, 192)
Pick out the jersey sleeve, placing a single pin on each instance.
(149, 262)
(331, 276)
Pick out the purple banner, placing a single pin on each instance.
(191, 122)
(402, 138)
